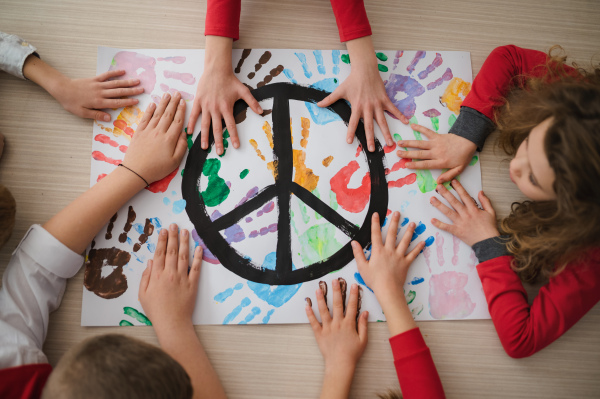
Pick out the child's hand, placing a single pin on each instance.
(366, 93)
(159, 143)
(217, 91)
(339, 340)
(471, 224)
(86, 97)
(441, 151)
(386, 271)
(167, 291)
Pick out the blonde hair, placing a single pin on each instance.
(547, 235)
(8, 210)
(115, 366)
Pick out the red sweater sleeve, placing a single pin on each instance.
(351, 19)
(416, 371)
(497, 74)
(24, 382)
(223, 18)
(566, 298)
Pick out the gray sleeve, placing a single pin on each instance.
(13, 53)
(473, 126)
(491, 248)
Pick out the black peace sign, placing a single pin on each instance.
(284, 186)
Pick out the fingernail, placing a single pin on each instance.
(371, 148)
(173, 227)
(184, 233)
(354, 287)
(335, 283)
(260, 110)
(401, 143)
(349, 141)
(181, 102)
(106, 118)
(163, 232)
(198, 249)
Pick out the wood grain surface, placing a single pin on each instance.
(46, 165)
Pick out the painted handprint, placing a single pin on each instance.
(100, 260)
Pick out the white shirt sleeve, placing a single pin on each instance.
(33, 285)
(13, 53)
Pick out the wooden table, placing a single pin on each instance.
(46, 165)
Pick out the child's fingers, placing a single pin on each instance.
(251, 101)
(362, 327)
(380, 118)
(172, 248)
(110, 74)
(330, 99)
(205, 129)
(176, 126)
(217, 128)
(452, 200)
(194, 274)
(352, 126)
(429, 164)
(338, 303)
(430, 134)
(161, 250)
(231, 128)
(391, 108)
(412, 255)
(119, 102)
(376, 240)
(196, 109)
(443, 226)
(180, 148)
(359, 255)
(146, 277)
(406, 238)
(323, 309)
(450, 213)
(369, 129)
(312, 319)
(486, 203)
(113, 84)
(95, 114)
(467, 200)
(451, 174)
(167, 117)
(122, 92)
(352, 304)
(184, 247)
(160, 109)
(147, 116)
(422, 144)
(415, 154)
(390, 239)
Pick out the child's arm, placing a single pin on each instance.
(523, 329)
(218, 88)
(83, 97)
(366, 93)
(504, 68)
(156, 149)
(35, 279)
(168, 296)
(385, 273)
(340, 340)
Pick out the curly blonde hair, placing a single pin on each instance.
(547, 235)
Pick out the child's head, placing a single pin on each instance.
(115, 366)
(8, 209)
(553, 129)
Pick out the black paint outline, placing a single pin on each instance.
(283, 188)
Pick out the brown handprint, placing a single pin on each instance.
(114, 284)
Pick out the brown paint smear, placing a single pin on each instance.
(327, 161)
(148, 230)
(308, 301)
(323, 287)
(359, 304)
(113, 285)
(128, 224)
(111, 225)
(274, 72)
(261, 61)
(245, 55)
